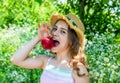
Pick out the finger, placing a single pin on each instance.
(43, 25)
(48, 30)
(49, 33)
(38, 26)
(46, 25)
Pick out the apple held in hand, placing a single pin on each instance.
(47, 43)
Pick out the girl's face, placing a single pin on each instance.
(60, 36)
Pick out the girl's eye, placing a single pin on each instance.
(62, 31)
(54, 29)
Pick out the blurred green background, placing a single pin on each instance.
(18, 24)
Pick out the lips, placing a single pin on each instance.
(56, 43)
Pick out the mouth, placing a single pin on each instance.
(56, 42)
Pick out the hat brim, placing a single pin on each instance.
(54, 18)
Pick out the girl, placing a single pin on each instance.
(68, 65)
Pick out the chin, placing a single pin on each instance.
(54, 50)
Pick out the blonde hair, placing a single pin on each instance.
(77, 56)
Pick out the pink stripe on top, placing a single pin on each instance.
(52, 74)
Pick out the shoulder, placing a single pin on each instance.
(45, 60)
(84, 78)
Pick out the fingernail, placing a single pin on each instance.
(38, 24)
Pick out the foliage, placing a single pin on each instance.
(11, 40)
(97, 15)
(25, 11)
(103, 58)
(102, 55)
(18, 24)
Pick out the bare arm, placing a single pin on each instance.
(22, 58)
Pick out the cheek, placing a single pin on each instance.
(65, 41)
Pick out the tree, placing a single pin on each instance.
(97, 15)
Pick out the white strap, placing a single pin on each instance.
(49, 60)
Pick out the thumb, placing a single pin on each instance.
(38, 26)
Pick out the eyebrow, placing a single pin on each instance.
(61, 28)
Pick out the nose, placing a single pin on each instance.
(55, 33)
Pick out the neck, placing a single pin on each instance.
(64, 56)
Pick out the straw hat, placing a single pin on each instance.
(74, 23)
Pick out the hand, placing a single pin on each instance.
(43, 31)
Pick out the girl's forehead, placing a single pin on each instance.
(61, 21)
(61, 24)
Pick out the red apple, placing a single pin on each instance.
(47, 43)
